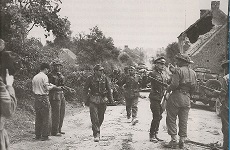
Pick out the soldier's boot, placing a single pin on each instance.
(152, 138)
(156, 136)
(181, 142)
(97, 137)
(173, 143)
(134, 121)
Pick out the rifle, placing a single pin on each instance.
(210, 89)
(163, 101)
(66, 88)
(160, 82)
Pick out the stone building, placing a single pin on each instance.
(206, 40)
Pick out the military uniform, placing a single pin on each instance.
(182, 85)
(155, 96)
(57, 101)
(131, 93)
(225, 107)
(7, 108)
(96, 90)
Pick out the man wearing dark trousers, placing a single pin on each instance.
(41, 87)
(96, 90)
(131, 94)
(57, 99)
(156, 77)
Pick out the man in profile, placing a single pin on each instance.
(41, 87)
(8, 100)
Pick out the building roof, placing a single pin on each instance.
(206, 14)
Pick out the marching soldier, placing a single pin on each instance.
(57, 99)
(96, 90)
(131, 94)
(158, 79)
(182, 86)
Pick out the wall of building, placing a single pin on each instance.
(212, 53)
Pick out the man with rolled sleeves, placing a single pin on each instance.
(96, 90)
(182, 86)
(57, 99)
(131, 94)
(158, 80)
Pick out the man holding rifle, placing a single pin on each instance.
(57, 99)
(158, 81)
(182, 86)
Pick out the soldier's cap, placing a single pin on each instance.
(160, 60)
(98, 67)
(225, 64)
(184, 57)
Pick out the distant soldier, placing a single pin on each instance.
(96, 90)
(57, 99)
(158, 80)
(182, 86)
(131, 94)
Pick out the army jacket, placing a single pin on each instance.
(96, 89)
(224, 92)
(131, 86)
(183, 79)
(8, 103)
(157, 89)
(57, 79)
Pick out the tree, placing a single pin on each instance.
(94, 47)
(172, 50)
(18, 17)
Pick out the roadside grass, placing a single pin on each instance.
(21, 126)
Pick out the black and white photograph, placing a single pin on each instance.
(114, 74)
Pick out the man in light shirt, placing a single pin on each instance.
(41, 87)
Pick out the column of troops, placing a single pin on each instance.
(48, 88)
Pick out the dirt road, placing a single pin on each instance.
(117, 134)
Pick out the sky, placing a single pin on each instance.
(137, 23)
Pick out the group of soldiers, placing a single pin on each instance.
(48, 88)
(176, 89)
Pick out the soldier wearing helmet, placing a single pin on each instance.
(182, 86)
(96, 89)
(131, 93)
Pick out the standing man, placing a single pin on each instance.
(96, 90)
(57, 99)
(8, 101)
(182, 86)
(41, 87)
(158, 80)
(131, 94)
(225, 107)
